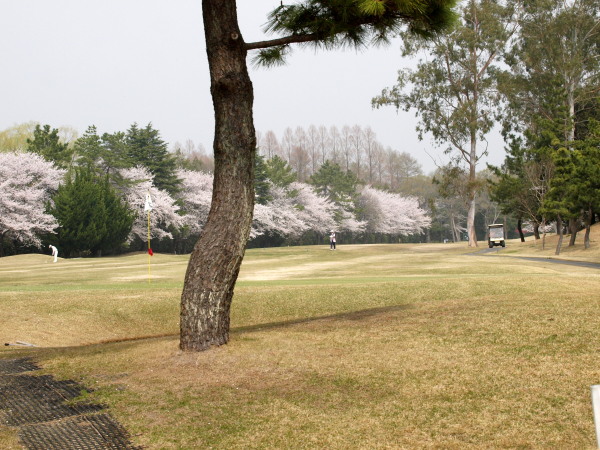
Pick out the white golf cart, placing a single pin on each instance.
(496, 235)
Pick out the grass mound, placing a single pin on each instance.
(547, 249)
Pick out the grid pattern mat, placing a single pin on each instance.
(46, 419)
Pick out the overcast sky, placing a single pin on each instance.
(110, 63)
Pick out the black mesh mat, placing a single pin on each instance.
(100, 431)
(29, 399)
(39, 406)
(17, 365)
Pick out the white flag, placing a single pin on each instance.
(148, 206)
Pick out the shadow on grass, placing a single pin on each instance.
(353, 315)
(549, 259)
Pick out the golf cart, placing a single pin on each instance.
(496, 235)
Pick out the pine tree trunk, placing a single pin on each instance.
(573, 229)
(586, 239)
(588, 224)
(520, 229)
(559, 229)
(536, 231)
(543, 234)
(217, 256)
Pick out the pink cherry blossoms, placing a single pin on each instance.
(26, 184)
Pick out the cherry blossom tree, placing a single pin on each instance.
(277, 217)
(196, 194)
(26, 183)
(315, 211)
(390, 213)
(164, 213)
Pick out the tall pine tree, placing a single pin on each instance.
(146, 148)
(215, 262)
(46, 143)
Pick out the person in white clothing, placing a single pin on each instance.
(332, 240)
(54, 252)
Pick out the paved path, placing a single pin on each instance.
(533, 258)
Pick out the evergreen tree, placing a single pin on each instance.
(88, 148)
(261, 181)
(91, 216)
(114, 156)
(587, 176)
(339, 187)
(513, 189)
(146, 148)
(280, 172)
(558, 203)
(103, 155)
(119, 220)
(46, 143)
(554, 72)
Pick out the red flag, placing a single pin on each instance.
(150, 252)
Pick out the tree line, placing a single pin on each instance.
(354, 148)
(551, 171)
(91, 193)
(531, 68)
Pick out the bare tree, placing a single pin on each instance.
(312, 142)
(300, 162)
(287, 144)
(379, 161)
(270, 145)
(324, 141)
(335, 144)
(357, 143)
(346, 146)
(369, 145)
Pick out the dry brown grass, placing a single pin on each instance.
(577, 252)
(462, 372)
(408, 346)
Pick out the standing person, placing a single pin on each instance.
(332, 240)
(54, 252)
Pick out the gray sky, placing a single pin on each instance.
(110, 63)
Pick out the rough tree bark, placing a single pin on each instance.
(573, 229)
(589, 215)
(559, 230)
(520, 229)
(216, 259)
(536, 231)
(217, 256)
(472, 190)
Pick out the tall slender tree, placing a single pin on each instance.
(454, 93)
(215, 261)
